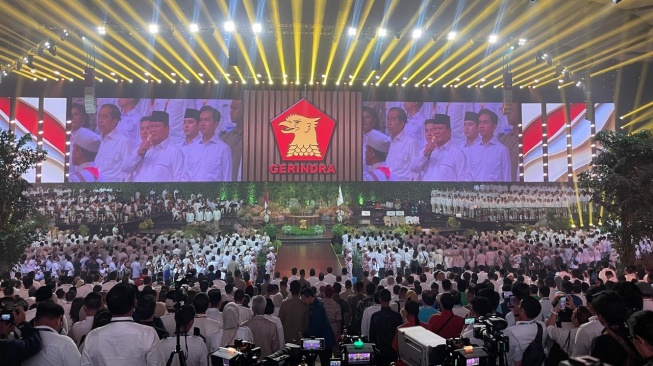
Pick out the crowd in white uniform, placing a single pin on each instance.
(509, 202)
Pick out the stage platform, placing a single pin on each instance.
(307, 255)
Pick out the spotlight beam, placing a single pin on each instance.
(274, 10)
(318, 16)
(343, 15)
(217, 36)
(386, 15)
(252, 16)
(354, 42)
(296, 6)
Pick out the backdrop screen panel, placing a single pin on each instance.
(54, 140)
(449, 151)
(532, 142)
(180, 144)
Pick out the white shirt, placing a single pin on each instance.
(209, 161)
(206, 326)
(56, 349)
(122, 342)
(244, 314)
(215, 314)
(447, 163)
(194, 349)
(367, 317)
(81, 328)
(489, 162)
(403, 149)
(585, 335)
(113, 149)
(277, 321)
(129, 125)
(161, 163)
(415, 128)
(520, 336)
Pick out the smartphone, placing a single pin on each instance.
(507, 295)
(470, 321)
(6, 317)
(563, 303)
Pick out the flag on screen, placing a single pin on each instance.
(341, 200)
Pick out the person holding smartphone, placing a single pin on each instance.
(16, 350)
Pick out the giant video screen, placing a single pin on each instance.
(440, 141)
(156, 140)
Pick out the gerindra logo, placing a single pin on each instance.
(303, 132)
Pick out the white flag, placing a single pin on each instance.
(341, 200)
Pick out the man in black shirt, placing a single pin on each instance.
(383, 326)
(15, 351)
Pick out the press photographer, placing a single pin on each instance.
(18, 349)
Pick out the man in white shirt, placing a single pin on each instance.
(83, 153)
(122, 342)
(376, 152)
(157, 159)
(114, 147)
(441, 160)
(130, 118)
(92, 303)
(330, 279)
(415, 122)
(191, 130)
(588, 331)
(56, 349)
(403, 147)
(367, 316)
(207, 326)
(194, 347)
(525, 330)
(210, 159)
(489, 159)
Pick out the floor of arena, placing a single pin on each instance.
(307, 256)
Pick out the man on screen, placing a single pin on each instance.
(470, 129)
(83, 153)
(403, 147)
(115, 147)
(157, 159)
(441, 160)
(376, 151)
(78, 122)
(130, 117)
(489, 160)
(511, 140)
(234, 139)
(209, 160)
(191, 130)
(415, 124)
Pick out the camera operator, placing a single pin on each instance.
(480, 307)
(318, 324)
(528, 336)
(193, 346)
(14, 351)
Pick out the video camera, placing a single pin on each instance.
(7, 315)
(495, 343)
(241, 353)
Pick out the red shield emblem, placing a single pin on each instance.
(303, 132)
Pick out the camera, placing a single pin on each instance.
(241, 353)
(460, 352)
(312, 344)
(7, 314)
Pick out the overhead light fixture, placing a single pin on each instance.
(102, 30)
(64, 35)
(154, 28)
(53, 50)
(229, 26)
(417, 33)
(47, 44)
(451, 36)
(194, 28)
(30, 60)
(522, 41)
(257, 27)
(616, 1)
(382, 32)
(493, 38)
(351, 31)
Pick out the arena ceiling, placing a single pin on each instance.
(308, 41)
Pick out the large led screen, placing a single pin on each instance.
(452, 142)
(157, 140)
(54, 140)
(532, 145)
(27, 121)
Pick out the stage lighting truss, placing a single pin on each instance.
(27, 58)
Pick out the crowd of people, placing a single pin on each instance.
(62, 205)
(445, 142)
(510, 202)
(157, 140)
(105, 300)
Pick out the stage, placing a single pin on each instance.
(307, 255)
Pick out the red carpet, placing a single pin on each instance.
(307, 256)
